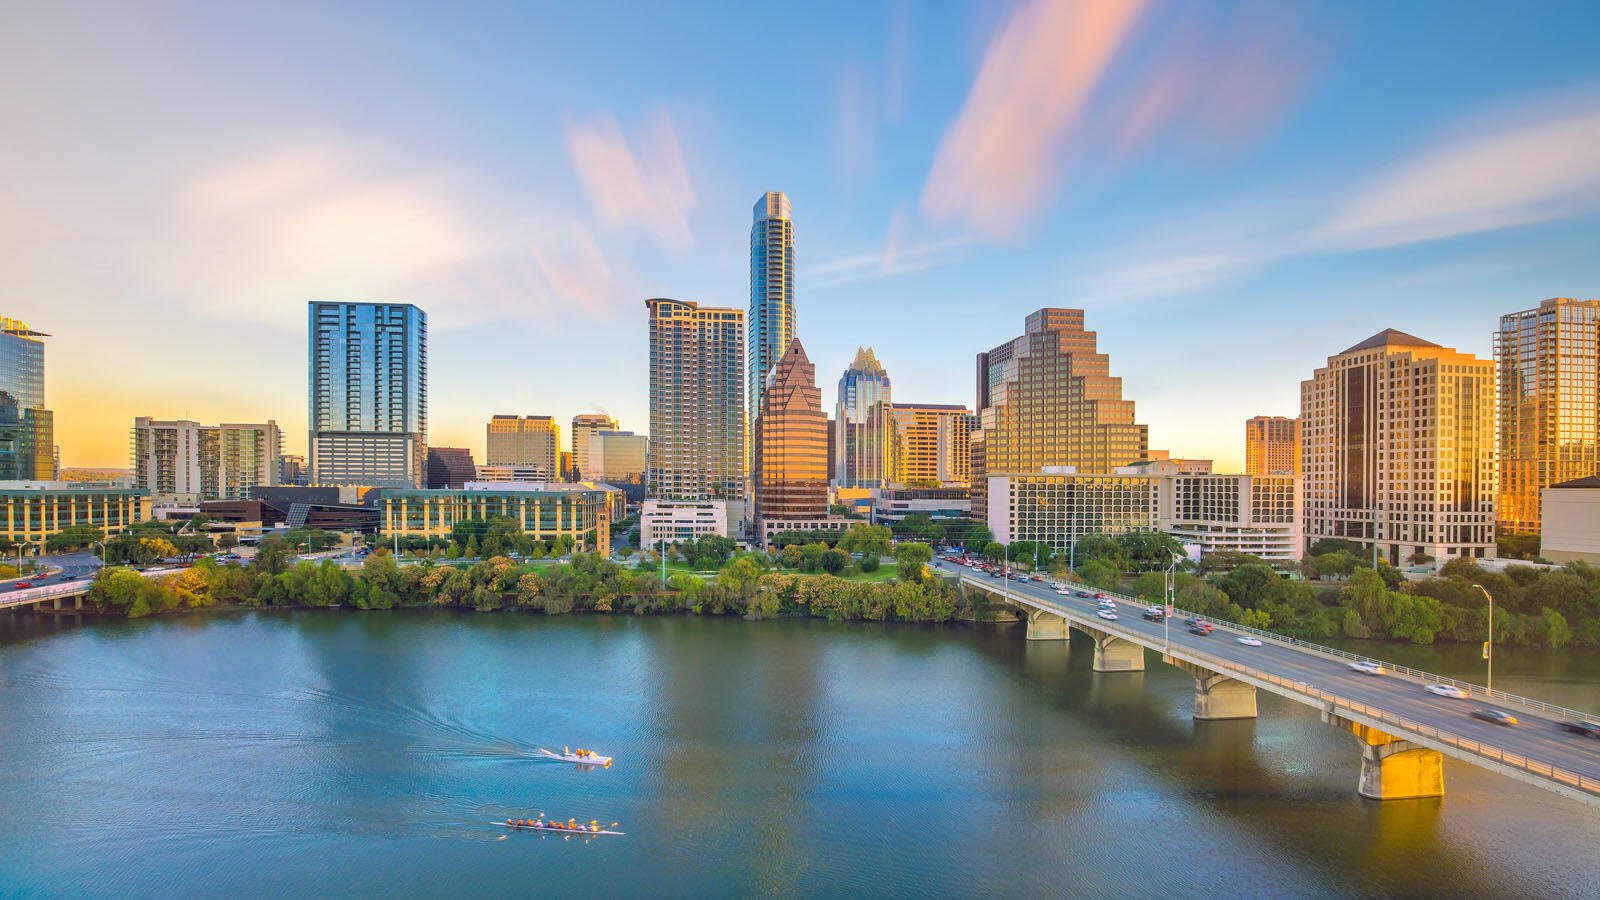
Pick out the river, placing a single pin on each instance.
(335, 753)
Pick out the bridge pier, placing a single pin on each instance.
(1393, 768)
(1043, 626)
(1216, 696)
(1114, 654)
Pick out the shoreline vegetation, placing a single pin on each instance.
(1336, 595)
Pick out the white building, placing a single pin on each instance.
(515, 473)
(678, 521)
(1570, 513)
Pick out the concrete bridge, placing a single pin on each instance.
(1402, 731)
(61, 594)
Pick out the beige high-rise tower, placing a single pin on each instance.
(1548, 359)
(1272, 446)
(584, 427)
(1399, 447)
(697, 413)
(525, 441)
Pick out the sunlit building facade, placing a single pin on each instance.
(864, 421)
(368, 379)
(617, 457)
(933, 443)
(791, 443)
(771, 319)
(1398, 442)
(524, 441)
(697, 411)
(1272, 446)
(1548, 364)
(584, 427)
(581, 512)
(27, 429)
(34, 510)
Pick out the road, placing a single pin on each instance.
(1538, 738)
(76, 565)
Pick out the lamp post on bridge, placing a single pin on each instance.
(1166, 619)
(1488, 646)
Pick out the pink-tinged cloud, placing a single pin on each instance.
(576, 269)
(1535, 167)
(648, 189)
(997, 163)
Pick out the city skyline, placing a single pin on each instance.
(1266, 218)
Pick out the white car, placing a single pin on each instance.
(1368, 668)
(1107, 614)
(1249, 641)
(1063, 592)
(1446, 690)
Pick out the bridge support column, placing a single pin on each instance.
(55, 603)
(1043, 626)
(1393, 768)
(77, 601)
(1113, 654)
(1216, 696)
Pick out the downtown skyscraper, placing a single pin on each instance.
(27, 429)
(790, 454)
(771, 318)
(368, 389)
(697, 411)
(1271, 446)
(1548, 361)
(864, 421)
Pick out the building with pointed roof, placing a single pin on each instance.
(791, 443)
(1398, 450)
(864, 424)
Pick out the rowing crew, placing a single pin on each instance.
(569, 825)
(580, 753)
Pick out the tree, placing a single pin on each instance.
(272, 557)
(740, 575)
(1098, 573)
(913, 558)
(192, 587)
(834, 560)
(993, 551)
(868, 540)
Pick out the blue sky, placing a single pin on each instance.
(1232, 191)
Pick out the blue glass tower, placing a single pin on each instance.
(368, 410)
(771, 319)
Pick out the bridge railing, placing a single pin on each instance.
(65, 589)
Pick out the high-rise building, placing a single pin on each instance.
(617, 457)
(177, 458)
(1398, 442)
(1272, 446)
(450, 468)
(791, 443)
(248, 457)
(1548, 359)
(291, 469)
(864, 417)
(697, 413)
(368, 394)
(933, 443)
(1048, 398)
(771, 320)
(525, 441)
(27, 429)
(585, 426)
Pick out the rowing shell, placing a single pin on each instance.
(581, 760)
(576, 831)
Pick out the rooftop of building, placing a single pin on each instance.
(1591, 481)
(1390, 337)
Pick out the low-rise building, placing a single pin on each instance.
(680, 521)
(1570, 515)
(581, 512)
(524, 474)
(34, 510)
(771, 528)
(893, 504)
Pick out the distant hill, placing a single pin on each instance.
(81, 474)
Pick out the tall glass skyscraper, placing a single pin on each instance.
(864, 422)
(791, 443)
(771, 319)
(368, 394)
(27, 429)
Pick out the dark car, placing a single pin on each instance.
(1587, 729)
(1154, 614)
(69, 577)
(1496, 716)
(1201, 628)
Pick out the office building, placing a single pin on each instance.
(678, 522)
(545, 511)
(890, 505)
(584, 427)
(1548, 365)
(791, 442)
(522, 474)
(32, 510)
(1048, 398)
(771, 319)
(177, 459)
(933, 444)
(450, 468)
(1272, 446)
(248, 458)
(291, 469)
(1570, 514)
(864, 417)
(1398, 447)
(368, 411)
(697, 413)
(524, 441)
(27, 429)
(617, 457)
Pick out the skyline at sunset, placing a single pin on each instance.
(1232, 194)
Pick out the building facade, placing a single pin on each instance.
(248, 457)
(292, 469)
(1570, 513)
(697, 412)
(1048, 399)
(791, 442)
(1272, 446)
(524, 441)
(864, 417)
(584, 427)
(1398, 447)
(771, 319)
(892, 504)
(545, 512)
(1547, 361)
(177, 458)
(676, 522)
(450, 468)
(522, 474)
(368, 394)
(27, 429)
(617, 457)
(34, 510)
(933, 443)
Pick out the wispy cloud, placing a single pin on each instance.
(995, 165)
(1535, 165)
(899, 255)
(577, 271)
(648, 189)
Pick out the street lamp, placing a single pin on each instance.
(1166, 619)
(19, 552)
(1488, 646)
(102, 545)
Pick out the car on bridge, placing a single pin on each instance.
(1155, 614)
(23, 584)
(1578, 726)
(1447, 690)
(1496, 716)
(1368, 667)
(1063, 592)
(1200, 628)
(1249, 641)
(1107, 614)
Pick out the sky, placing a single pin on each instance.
(1232, 191)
